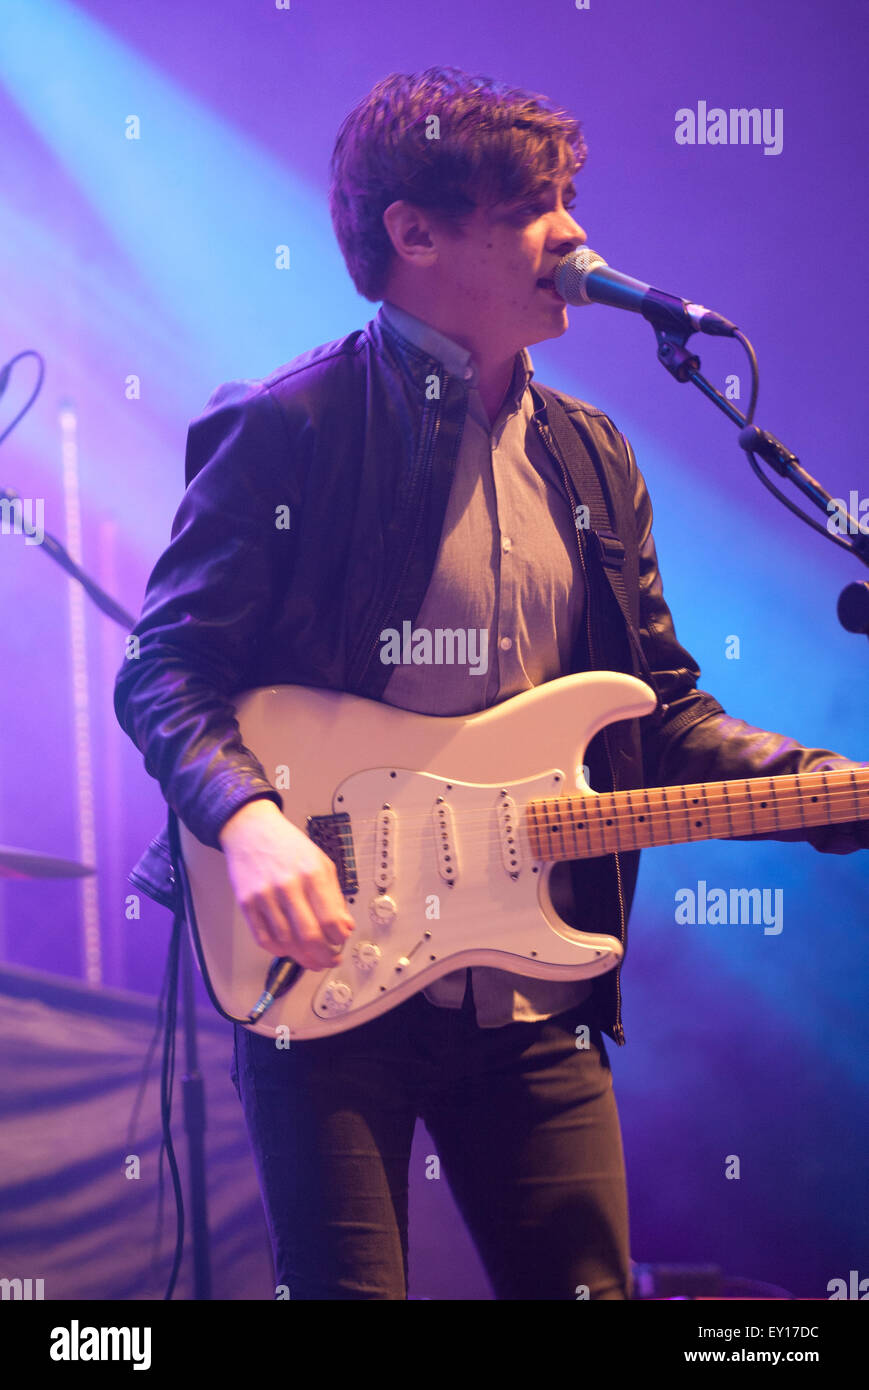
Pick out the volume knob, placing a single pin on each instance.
(366, 954)
(382, 910)
(337, 997)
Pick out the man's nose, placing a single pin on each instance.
(572, 236)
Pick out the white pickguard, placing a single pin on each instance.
(431, 913)
(418, 914)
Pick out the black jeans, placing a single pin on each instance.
(526, 1130)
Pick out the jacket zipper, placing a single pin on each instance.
(427, 452)
(549, 441)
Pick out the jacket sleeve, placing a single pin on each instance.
(207, 606)
(696, 740)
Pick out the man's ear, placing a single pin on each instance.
(412, 234)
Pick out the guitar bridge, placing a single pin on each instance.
(333, 835)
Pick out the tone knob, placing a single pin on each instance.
(382, 909)
(337, 997)
(366, 955)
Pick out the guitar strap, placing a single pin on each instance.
(611, 510)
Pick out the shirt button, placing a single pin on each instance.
(505, 644)
(506, 543)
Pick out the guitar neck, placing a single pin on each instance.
(585, 826)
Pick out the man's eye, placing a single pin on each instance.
(541, 206)
(538, 207)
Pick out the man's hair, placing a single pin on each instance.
(489, 144)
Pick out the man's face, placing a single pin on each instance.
(489, 276)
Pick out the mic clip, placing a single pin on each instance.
(672, 352)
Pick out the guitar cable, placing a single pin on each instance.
(281, 976)
(167, 1012)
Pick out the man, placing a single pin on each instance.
(425, 483)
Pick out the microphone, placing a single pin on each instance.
(583, 277)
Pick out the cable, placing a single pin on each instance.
(166, 1085)
(797, 511)
(755, 376)
(4, 378)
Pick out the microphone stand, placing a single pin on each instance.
(672, 334)
(193, 1088)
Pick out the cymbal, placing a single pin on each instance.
(24, 863)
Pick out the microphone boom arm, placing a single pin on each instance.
(684, 365)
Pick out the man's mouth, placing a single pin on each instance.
(545, 284)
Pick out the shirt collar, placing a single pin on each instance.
(457, 360)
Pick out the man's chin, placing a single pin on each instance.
(557, 324)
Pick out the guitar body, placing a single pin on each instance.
(428, 816)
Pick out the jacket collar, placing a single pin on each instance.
(422, 349)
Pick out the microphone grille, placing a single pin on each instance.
(571, 271)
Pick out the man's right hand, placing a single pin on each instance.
(285, 886)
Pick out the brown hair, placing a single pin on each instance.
(492, 144)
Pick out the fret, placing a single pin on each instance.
(827, 792)
(708, 812)
(571, 800)
(614, 821)
(714, 807)
(551, 830)
(585, 823)
(651, 827)
(688, 826)
(603, 846)
(534, 831)
(727, 807)
(538, 833)
(666, 804)
(753, 791)
(853, 776)
(748, 789)
(633, 823)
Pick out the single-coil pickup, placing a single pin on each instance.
(508, 827)
(445, 840)
(384, 848)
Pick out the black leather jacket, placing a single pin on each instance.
(347, 442)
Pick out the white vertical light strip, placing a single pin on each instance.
(92, 968)
(111, 656)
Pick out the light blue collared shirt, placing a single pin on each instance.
(508, 576)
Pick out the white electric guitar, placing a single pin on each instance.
(445, 832)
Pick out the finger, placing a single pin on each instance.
(306, 931)
(327, 904)
(270, 930)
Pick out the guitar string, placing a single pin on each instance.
(667, 796)
(785, 801)
(734, 823)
